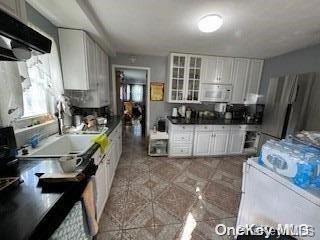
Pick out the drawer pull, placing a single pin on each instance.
(181, 150)
(183, 127)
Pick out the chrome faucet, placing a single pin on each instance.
(59, 116)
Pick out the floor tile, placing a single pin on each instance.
(165, 170)
(211, 162)
(203, 210)
(223, 197)
(192, 230)
(157, 185)
(227, 179)
(112, 217)
(139, 193)
(199, 171)
(138, 234)
(174, 201)
(190, 182)
(138, 214)
(117, 195)
(113, 235)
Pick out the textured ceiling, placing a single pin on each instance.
(252, 28)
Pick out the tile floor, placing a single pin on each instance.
(166, 199)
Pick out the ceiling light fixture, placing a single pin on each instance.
(210, 23)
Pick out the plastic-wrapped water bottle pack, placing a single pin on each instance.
(298, 161)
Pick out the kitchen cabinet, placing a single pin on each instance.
(206, 140)
(246, 80)
(217, 70)
(180, 140)
(236, 142)
(107, 164)
(253, 81)
(101, 187)
(16, 8)
(202, 141)
(184, 78)
(239, 79)
(85, 68)
(219, 143)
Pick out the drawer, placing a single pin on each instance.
(182, 128)
(204, 127)
(221, 127)
(253, 128)
(181, 150)
(239, 127)
(182, 137)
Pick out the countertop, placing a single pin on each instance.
(215, 121)
(31, 211)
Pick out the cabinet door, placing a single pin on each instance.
(210, 70)
(92, 64)
(224, 70)
(101, 187)
(253, 84)
(219, 143)
(177, 77)
(202, 143)
(236, 142)
(218, 70)
(194, 76)
(239, 79)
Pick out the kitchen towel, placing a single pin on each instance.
(103, 141)
(89, 206)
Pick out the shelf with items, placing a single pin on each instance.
(158, 144)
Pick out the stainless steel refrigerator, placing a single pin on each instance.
(286, 104)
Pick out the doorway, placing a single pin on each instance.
(131, 97)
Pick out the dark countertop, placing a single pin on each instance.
(31, 211)
(216, 121)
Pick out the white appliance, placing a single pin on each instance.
(174, 112)
(216, 92)
(270, 199)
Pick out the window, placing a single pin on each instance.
(137, 93)
(41, 82)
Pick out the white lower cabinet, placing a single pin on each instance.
(107, 164)
(219, 143)
(206, 140)
(201, 145)
(236, 142)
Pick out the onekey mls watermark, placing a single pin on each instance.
(302, 230)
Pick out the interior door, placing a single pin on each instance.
(219, 143)
(202, 143)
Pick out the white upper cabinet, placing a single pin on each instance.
(85, 67)
(78, 59)
(246, 80)
(239, 79)
(217, 70)
(254, 77)
(187, 72)
(184, 78)
(16, 8)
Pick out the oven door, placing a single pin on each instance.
(216, 93)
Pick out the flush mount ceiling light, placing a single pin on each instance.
(210, 23)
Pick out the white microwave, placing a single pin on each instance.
(216, 92)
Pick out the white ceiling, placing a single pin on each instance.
(252, 28)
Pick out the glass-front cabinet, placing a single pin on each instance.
(184, 78)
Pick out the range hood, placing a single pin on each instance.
(17, 40)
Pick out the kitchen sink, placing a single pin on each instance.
(58, 146)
